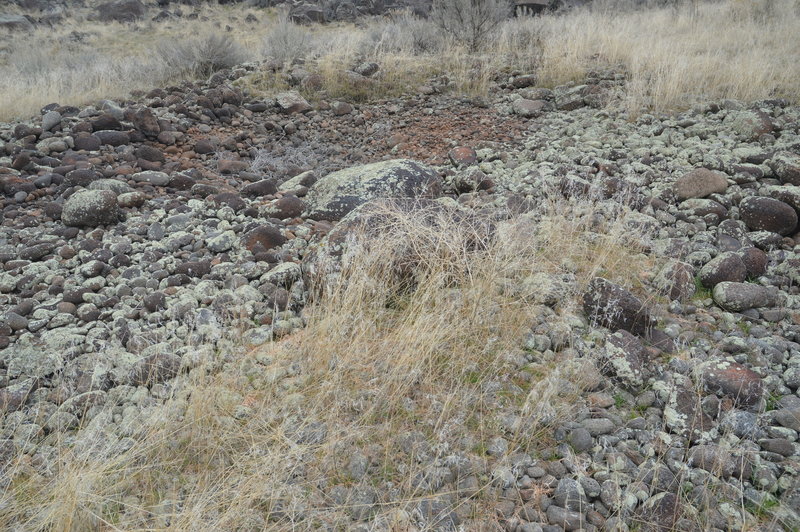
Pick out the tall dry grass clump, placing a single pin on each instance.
(411, 354)
(677, 55)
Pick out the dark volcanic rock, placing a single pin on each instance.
(768, 214)
(336, 194)
(727, 266)
(263, 238)
(700, 183)
(121, 11)
(91, 208)
(737, 297)
(731, 379)
(609, 305)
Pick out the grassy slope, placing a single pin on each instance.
(672, 56)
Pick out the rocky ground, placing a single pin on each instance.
(130, 228)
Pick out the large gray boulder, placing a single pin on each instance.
(700, 183)
(121, 11)
(15, 23)
(90, 208)
(335, 195)
(738, 297)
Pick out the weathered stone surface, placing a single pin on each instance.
(727, 266)
(732, 379)
(700, 183)
(336, 194)
(676, 280)
(737, 297)
(121, 11)
(659, 513)
(90, 208)
(263, 238)
(768, 214)
(625, 357)
(786, 166)
(291, 102)
(15, 23)
(528, 108)
(609, 305)
(158, 179)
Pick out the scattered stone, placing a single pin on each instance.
(90, 208)
(768, 214)
(738, 297)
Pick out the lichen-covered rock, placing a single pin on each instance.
(90, 208)
(727, 266)
(157, 179)
(786, 166)
(121, 11)
(372, 223)
(609, 305)
(624, 358)
(676, 280)
(768, 214)
(291, 102)
(336, 194)
(699, 183)
(733, 380)
(749, 124)
(738, 297)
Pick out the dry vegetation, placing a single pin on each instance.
(672, 56)
(392, 364)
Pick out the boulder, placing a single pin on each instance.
(700, 183)
(738, 297)
(15, 23)
(733, 380)
(121, 11)
(768, 214)
(609, 305)
(625, 358)
(291, 102)
(90, 208)
(336, 194)
(786, 166)
(727, 266)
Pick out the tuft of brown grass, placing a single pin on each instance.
(416, 339)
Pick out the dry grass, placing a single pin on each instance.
(672, 56)
(411, 354)
(676, 56)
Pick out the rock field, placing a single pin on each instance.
(131, 230)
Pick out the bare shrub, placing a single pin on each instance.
(470, 22)
(404, 33)
(286, 41)
(202, 55)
